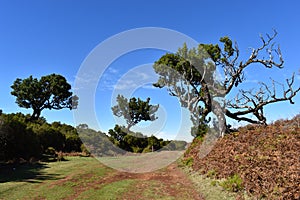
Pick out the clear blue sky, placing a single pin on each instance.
(55, 36)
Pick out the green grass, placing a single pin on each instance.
(79, 176)
(87, 178)
(233, 183)
(110, 191)
(155, 190)
(210, 188)
(188, 162)
(55, 180)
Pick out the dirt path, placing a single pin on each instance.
(170, 182)
(175, 183)
(86, 178)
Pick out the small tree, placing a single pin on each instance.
(134, 110)
(50, 92)
(190, 75)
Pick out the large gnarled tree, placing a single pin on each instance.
(50, 92)
(190, 76)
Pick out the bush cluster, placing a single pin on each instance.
(21, 138)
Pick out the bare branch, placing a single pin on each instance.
(236, 70)
(253, 102)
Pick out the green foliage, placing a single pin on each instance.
(72, 141)
(134, 110)
(153, 142)
(49, 137)
(233, 183)
(173, 68)
(139, 143)
(188, 161)
(132, 142)
(20, 138)
(214, 51)
(227, 46)
(72, 144)
(17, 140)
(213, 183)
(96, 142)
(118, 133)
(196, 141)
(211, 173)
(191, 76)
(186, 74)
(50, 92)
(200, 129)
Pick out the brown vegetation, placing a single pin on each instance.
(265, 157)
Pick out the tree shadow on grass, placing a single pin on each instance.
(31, 173)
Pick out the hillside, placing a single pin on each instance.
(261, 160)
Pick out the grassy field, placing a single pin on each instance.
(54, 180)
(87, 178)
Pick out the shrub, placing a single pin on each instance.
(188, 161)
(16, 140)
(72, 143)
(211, 173)
(233, 183)
(50, 137)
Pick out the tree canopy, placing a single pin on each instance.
(50, 92)
(190, 75)
(134, 110)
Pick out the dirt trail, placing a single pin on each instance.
(169, 182)
(175, 183)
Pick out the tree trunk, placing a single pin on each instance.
(35, 115)
(128, 127)
(220, 113)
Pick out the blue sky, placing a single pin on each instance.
(55, 36)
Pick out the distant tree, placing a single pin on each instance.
(134, 110)
(50, 92)
(190, 76)
(128, 141)
(82, 126)
(117, 133)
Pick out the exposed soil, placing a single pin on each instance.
(172, 182)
